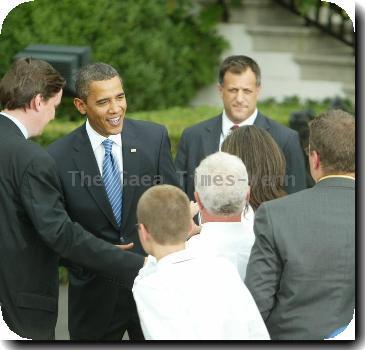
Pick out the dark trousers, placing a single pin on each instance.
(119, 324)
(117, 327)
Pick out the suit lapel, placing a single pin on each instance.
(131, 160)
(211, 136)
(85, 161)
(261, 122)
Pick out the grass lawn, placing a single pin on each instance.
(175, 119)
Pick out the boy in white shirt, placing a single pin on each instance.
(179, 295)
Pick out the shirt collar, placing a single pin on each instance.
(336, 176)
(176, 257)
(96, 139)
(152, 264)
(227, 123)
(18, 123)
(209, 228)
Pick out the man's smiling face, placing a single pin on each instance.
(105, 106)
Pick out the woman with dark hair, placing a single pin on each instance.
(264, 161)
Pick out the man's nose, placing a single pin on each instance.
(240, 96)
(114, 106)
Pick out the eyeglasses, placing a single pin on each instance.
(306, 150)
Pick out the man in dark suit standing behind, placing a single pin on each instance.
(34, 226)
(239, 88)
(98, 309)
(301, 270)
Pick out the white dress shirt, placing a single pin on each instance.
(18, 123)
(227, 124)
(99, 151)
(232, 240)
(184, 297)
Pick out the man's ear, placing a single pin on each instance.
(197, 198)
(220, 89)
(80, 105)
(317, 159)
(36, 102)
(144, 234)
(191, 228)
(314, 159)
(259, 91)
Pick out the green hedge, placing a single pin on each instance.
(176, 119)
(164, 50)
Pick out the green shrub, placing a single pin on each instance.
(176, 119)
(164, 51)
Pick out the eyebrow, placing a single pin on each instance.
(107, 98)
(238, 88)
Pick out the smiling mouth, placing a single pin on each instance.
(114, 121)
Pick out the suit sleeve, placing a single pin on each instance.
(42, 200)
(166, 168)
(264, 266)
(295, 165)
(181, 162)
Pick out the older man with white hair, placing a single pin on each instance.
(222, 193)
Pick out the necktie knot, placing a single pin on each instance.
(108, 146)
(234, 127)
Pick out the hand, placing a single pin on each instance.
(194, 209)
(125, 246)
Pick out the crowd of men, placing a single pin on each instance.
(108, 202)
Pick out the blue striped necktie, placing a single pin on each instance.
(112, 183)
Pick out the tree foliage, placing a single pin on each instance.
(164, 51)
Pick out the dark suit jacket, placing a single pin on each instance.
(301, 270)
(201, 140)
(91, 298)
(34, 230)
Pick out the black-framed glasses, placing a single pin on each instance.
(306, 150)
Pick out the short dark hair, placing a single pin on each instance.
(26, 79)
(239, 64)
(332, 136)
(93, 72)
(264, 160)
